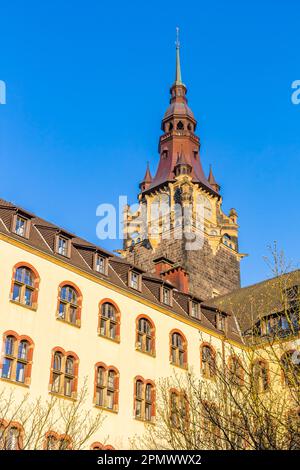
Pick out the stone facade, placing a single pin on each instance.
(209, 274)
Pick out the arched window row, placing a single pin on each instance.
(17, 353)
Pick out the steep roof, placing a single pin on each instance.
(252, 303)
(42, 238)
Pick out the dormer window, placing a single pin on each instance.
(166, 296)
(221, 322)
(134, 280)
(195, 309)
(292, 293)
(21, 225)
(100, 264)
(63, 246)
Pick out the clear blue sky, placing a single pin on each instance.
(88, 83)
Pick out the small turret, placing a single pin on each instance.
(211, 179)
(147, 180)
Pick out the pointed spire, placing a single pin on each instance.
(147, 180)
(212, 181)
(178, 80)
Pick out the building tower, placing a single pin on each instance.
(205, 259)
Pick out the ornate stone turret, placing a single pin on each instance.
(180, 215)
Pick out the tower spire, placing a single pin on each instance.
(178, 80)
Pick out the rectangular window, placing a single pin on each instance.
(138, 409)
(103, 327)
(28, 296)
(62, 310)
(55, 383)
(181, 358)
(100, 397)
(72, 314)
(16, 295)
(166, 296)
(62, 247)
(100, 264)
(20, 372)
(6, 368)
(68, 386)
(221, 322)
(148, 344)
(110, 400)
(174, 356)
(134, 280)
(112, 330)
(148, 412)
(20, 228)
(195, 310)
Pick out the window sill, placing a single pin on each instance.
(116, 340)
(67, 322)
(185, 367)
(144, 421)
(106, 409)
(14, 382)
(150, 354)
(60, 395)
(29, 307)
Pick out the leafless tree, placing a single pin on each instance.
(251, 399)
(54, 424)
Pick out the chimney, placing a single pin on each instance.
(175, 274)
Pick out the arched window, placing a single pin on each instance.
(99, 446)
(106, 387)
(69, 304)
(24, 288)
(180, 125)
(208, 361)
(10, 436)
(144, 399)
(236, 372)
(109, 321)
(260, 375)
(55, 441)
(210, 426)
(290, 365)
(178, 409)
(228, 241)
(17, 358)
(145, 335)
(178, 349)
(64, 373)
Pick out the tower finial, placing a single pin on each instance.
(178, 68)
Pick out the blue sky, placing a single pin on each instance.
(88, 83)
